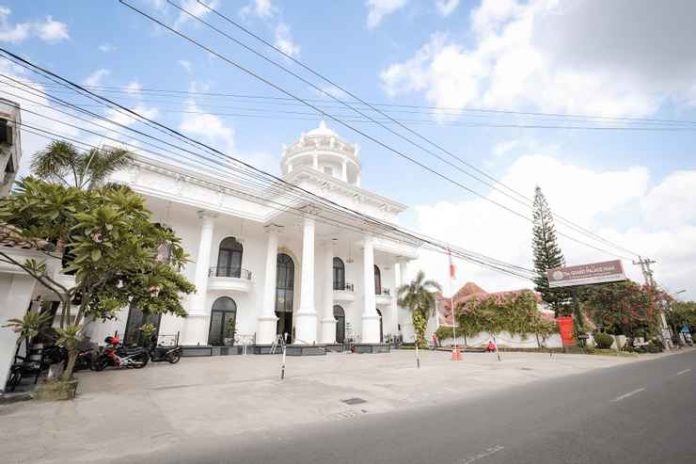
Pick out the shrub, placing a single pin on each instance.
(603, 341)
(655, 346)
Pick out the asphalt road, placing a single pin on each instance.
(644, 412)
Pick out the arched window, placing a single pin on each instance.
(229, 258)
(340, 317)
(339, 274)
(223, 319)
(378, 281)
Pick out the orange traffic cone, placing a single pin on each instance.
(456, 355)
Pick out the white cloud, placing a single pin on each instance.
(106, 48)
(586, 57)
(149, 112)
(196, 9)
(663, 228)
(186, 65)
(48, 29)
(259, 8)
(208, 127)
(133, 88)
(446, 7)
(502, 148)
(377, 10)
(96, 78)
(283, 40)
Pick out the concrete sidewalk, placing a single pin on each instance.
(163, 404)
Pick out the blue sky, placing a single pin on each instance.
(536, 56)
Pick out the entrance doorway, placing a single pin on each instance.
(136, 319)
(223, 319)
(381, 327)
(340, 317)
(285, 290)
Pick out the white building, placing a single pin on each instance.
(10, 144)
(277, 270)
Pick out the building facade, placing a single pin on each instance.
(10, 144)
(261, 270)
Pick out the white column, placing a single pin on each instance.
(370, 318)
(406, 322)
(344, 170)
(266, 321)
(357, 179)
(315, 162)
(328, 323)
(306, 318)
(196, 332)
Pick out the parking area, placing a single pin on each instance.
(217, 396)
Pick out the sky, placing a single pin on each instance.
(466, 74)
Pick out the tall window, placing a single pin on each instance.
(230, 258)
(223, 318)
(285, 288)
(378, 281)
(339, 274)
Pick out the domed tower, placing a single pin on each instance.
(323, 150)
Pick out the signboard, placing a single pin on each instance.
(565, 327)
(585, 274)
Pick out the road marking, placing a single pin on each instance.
(483, 454)
(626, 395)
(683, 372)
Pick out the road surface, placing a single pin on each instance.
(643, 412)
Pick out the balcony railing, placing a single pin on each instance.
(232, 272)
(345, 287)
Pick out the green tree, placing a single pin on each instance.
(623, 308)
(682, 313)
(114, 250)
(547, 253)
(63, 164)
(419, 297)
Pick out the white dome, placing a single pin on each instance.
(322, 130)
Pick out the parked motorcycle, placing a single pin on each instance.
(119, 356)
(172, 354)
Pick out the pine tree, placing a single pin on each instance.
(547, 253)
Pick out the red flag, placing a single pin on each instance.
(452, 269)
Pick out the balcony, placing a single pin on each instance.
(231, 279)
(345, 293)
(383, 296)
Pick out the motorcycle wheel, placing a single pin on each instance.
(140, 361)
(174, 358)
(100, 364)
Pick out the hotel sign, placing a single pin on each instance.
(585, 274)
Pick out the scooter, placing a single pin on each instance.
(172, 354)
(120, 357)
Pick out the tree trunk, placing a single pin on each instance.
(70, 366)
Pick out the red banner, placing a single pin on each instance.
(565, 326)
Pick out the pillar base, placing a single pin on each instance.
(305, 327)
(266, 329)
(370, 329)
(328, 331)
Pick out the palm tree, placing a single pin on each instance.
(419, 297)
(61, 162)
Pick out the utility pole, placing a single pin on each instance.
(644, 264)
(645, 269)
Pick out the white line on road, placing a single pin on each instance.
(626, 395)
(683, 372)
(485, 453)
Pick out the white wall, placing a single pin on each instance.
(504, 339)
(16, 291)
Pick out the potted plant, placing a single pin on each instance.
(230, 331)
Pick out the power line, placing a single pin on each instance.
(434, 244)
(331, 82)
(336, 119)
